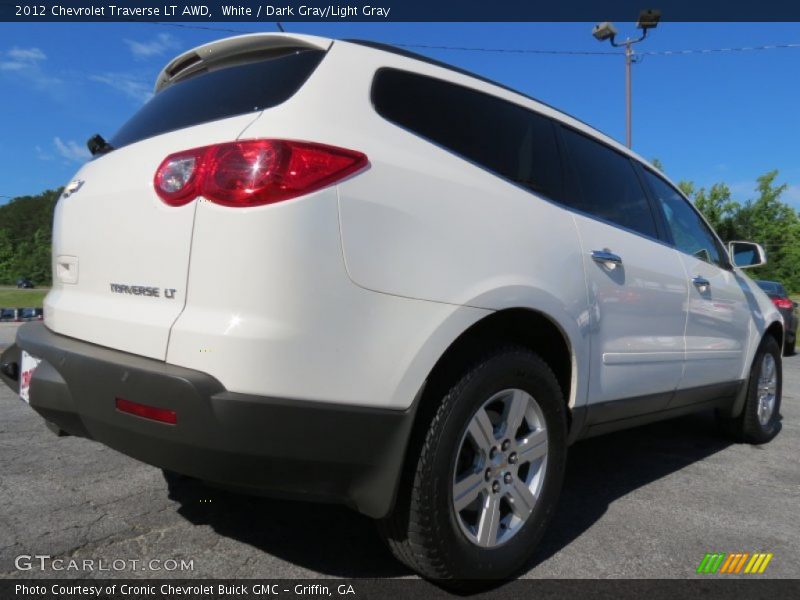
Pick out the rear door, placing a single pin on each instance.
(121, 255)
(636, 284)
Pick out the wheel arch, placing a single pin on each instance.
(529, 328)
(525, 327)
(773, 330)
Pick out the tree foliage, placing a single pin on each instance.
(25, 238)
(765, 219)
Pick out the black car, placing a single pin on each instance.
(25, 283)
(788, 309)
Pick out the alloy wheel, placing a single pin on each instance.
(500, 468)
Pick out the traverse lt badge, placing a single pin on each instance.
(142, 290)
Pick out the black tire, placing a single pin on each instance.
(789, 346)
(422, 531)
(747, 427)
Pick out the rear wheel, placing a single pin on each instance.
(487, 478)
(759, 420)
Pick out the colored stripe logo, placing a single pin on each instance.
(734, 563)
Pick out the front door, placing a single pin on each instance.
(719, 318)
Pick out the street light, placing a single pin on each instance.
(648, 19)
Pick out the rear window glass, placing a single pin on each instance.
(503, 137)
(217, 94)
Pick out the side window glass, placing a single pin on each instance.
(500, 136)
(690, 233)
(609, 186)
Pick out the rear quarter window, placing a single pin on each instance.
(217, 94)
(500, 136)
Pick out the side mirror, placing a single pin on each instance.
(746, 255)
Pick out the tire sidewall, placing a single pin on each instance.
(514, 369)
(758, 432)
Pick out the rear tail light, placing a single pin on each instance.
(253, 172)
(177, 177)
(164, 415)
(783, 303)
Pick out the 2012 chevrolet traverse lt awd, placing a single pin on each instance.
(332, 270)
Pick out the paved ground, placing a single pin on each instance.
(646, 503)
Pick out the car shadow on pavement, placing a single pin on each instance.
(335, 541)
(602, 469)
(328, 539)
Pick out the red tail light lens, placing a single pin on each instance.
(783, 303)
(253, 172)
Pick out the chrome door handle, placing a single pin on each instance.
(701, 283)
(607, 259)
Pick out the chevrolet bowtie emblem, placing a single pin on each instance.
(72, 187)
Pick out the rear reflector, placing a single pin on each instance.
(164, 415)
(253, 172)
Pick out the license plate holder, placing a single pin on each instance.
(28, 366)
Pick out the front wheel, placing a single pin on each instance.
(759, 420)
(789, 346)
(486, 481)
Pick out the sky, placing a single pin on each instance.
(709, 117)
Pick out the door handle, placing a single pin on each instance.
(607, 259)
(701, 283)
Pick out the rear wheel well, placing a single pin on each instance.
(520, 327)
(517, 327)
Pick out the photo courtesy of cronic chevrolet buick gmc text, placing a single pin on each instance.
(336, 271)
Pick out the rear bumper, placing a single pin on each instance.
(284, 447)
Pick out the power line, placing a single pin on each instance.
(719, 50)
(510, 50)
(520, 50)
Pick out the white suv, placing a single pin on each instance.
(333, 270)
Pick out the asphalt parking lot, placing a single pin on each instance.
(645, 503)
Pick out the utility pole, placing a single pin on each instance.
(648, 19)
(628, 61)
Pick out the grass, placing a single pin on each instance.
(13, 298)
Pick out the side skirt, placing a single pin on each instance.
(606, 417)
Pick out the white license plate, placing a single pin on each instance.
(29, 364)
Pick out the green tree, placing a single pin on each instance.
(6, 257)
(719, 209)
(776, 226)
(25, 237)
